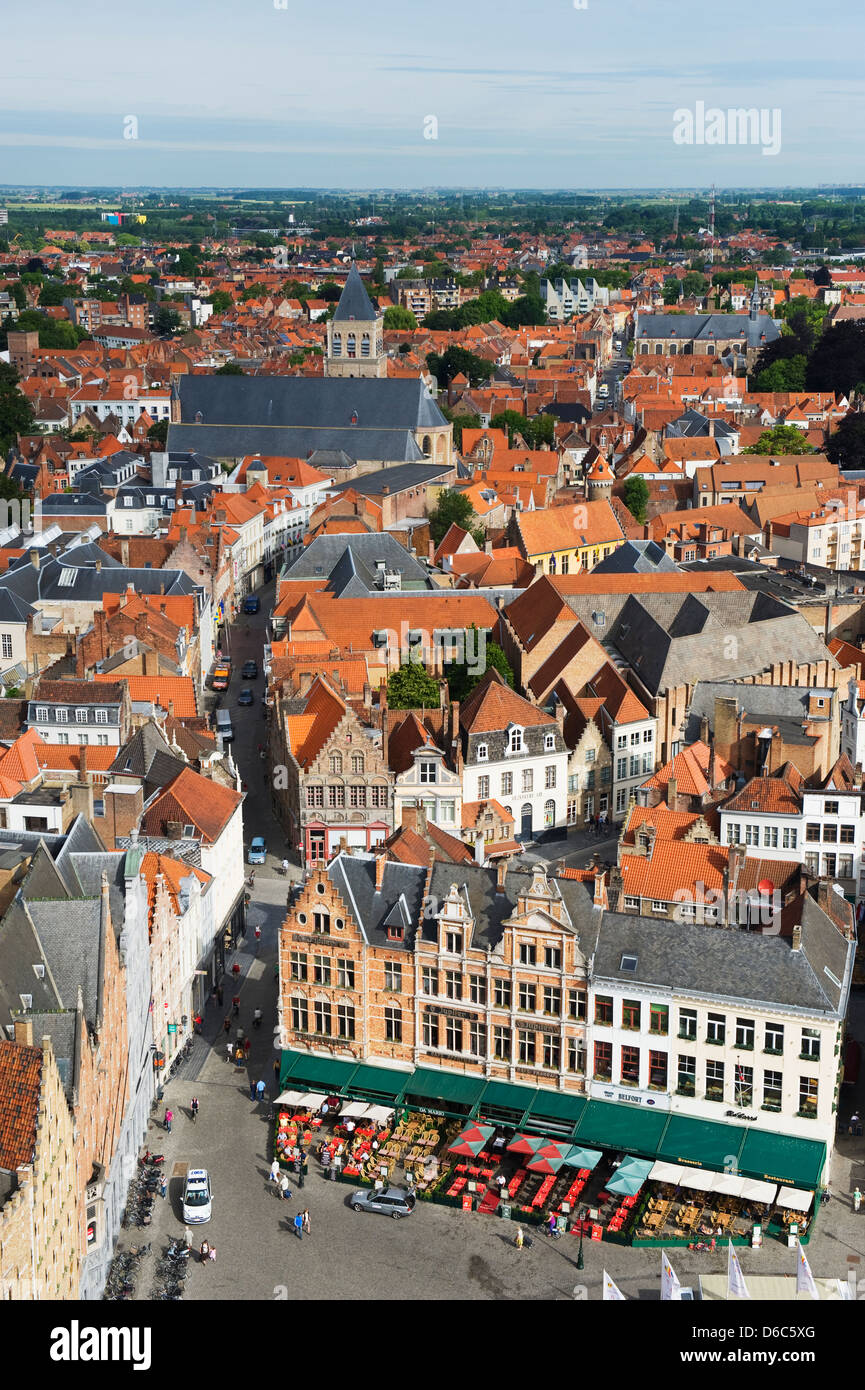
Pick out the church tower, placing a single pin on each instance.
(355, 346)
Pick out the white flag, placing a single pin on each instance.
(804, 1277)
(611, 1293)
(671, 1289)
(736, 1286)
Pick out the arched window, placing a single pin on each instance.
(357, 763)
(337, 344)
(426, 446)
(336, 762)
(549, 813)
(351, 349)
(364, 345)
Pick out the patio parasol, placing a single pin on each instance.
(471, 1141)
(549, 1159)
(577, 1157)
(527, 1144)
(629, 1176)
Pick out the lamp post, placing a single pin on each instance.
(580, 1251)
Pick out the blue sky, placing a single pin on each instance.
(336, 95)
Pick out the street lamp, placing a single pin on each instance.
(580, 1251)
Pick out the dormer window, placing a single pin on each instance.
(483, 752)
(549, 743)
(427, 771)
(81, 716)
(515, 740)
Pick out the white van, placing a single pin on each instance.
(223, 725)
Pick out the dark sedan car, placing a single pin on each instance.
(245, 698)
(249, 670)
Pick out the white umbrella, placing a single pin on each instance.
(793, 1200)
(666, 1172)
(755, 1191)
(355, 1108)
(290, 1098)
(731, 1184)
(313, 1099)
(379, 1113)
(696, 1180)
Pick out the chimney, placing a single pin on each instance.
(712, 777)
(178, 493)
(34, 558)
(455, 721)
(599, 895)
(409, 817)
(795, 944)
(672, 793)
(82, 763)
(124, 553)
(501, 872)
(704, 729)
(480, 849)
(380, 861)
(24, 1031)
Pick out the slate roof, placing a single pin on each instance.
(706, 327)
(636, 557)
(300, 441)
(347, 558)
(784, 705)
(315, 403)
(71, 942)
(354, 302)
(353, 875)
(67, 578)
(400, 479)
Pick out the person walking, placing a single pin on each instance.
(260, 1089)
(193, 1109)
(257, 935)
(304, 1166)
(226, 1025)
(220, 993)
(298, 1225)
(256, 1018)
(235, 970)
(204, 1252)
(305, 1223)
(163, 1187)
(247, 1048)
(857, 1199)
(252, 1090)
(229, 1050)
(277, 1068)
(518, 1238)
(285, 868)
(169, 1116)
(274, 1171)
(855, 1123)
(283, 1188)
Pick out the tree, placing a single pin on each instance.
(53, 293)
(257, 290)
(694, 284)
(837, 362)
(846, 445)
(16, 413)
(329, 291)
(229, 369)
(452, 508)
(671, 291)
(166, 321)
(787, 374)
(781, 439)
(158, 433)
(53, 333)
(447, 365)
(398, 317)
(412, 688)
(463, 676)
(221, 301)
(635, 495)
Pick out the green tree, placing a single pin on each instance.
(787, 374)
(694, 284)
(158, 433)
(635, 495)
(16, 413)
(398, 317)
(671, 291)
(781, 439)
(837, 362)
(846, 445)
(329, 291)
(447, 365)
(411, 687)
(451, 507)
(166, 321)
(221, 301)
(53, 293)
(462, 677)
(255, 291)
(229, 369)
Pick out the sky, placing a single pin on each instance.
(288, 94)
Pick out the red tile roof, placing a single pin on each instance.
(492, 705)
(192, 799)
(675, 866)
(20, 1088)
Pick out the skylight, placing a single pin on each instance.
(629, 962)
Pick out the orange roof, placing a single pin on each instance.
(308, 732)
(58, 757)
(160, 690)
(473, 809)
(675, 866)
(492, 705)
(20, 1088)
(669, 825)
(22, 761)
(568, 528)
(766, 794)
(690, 769)
(173, 871)
(192, 799)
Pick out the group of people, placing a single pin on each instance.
(283, 1191)
(597, 824)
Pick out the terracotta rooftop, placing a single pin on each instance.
(20, 1088)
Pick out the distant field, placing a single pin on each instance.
(55, 207)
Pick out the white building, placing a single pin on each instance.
(853, 723)
(516, 753)
(781, 818)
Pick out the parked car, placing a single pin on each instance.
(246, 697)
(391, 1201)
(197, 1197)
(603, 390)
(249, 670)
(257, 851)
(252, 604)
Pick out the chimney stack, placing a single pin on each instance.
(380, 861)
(795, 945)
(24, 1031)
(501, 872)
(672, 793)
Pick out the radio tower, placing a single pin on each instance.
(712, 227)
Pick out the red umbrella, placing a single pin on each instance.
(527, 1143)
(546, 1162)
(472, 1139)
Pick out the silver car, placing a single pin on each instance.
(391, 1201)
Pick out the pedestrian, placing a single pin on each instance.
(260, 1089)
(219, 994)
(204, 1251)
(257, 935)
(298, 1226)
(252, 1090)
(238, 1056)
(857, 1199)
(240, 1036)
(235, 970)
(235, 1005)
(552, 1223)
(247, 1048)
(226, 1024)
(518, 1238)
(163, 1187)
(169, 1116)
(305, 1223)
(256, 1018)
(283, 1192)
(285, 868)
(229, 1050)
(193, 1107)
(274, 1170)
(855, 1123)
(277, 1068)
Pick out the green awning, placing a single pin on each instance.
(445, 1086)
(322, 1073)
(704, 1143)
(558, 1109)
(502, 1095)
(610, 1125)
(379, 1083)
(782, 1158)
